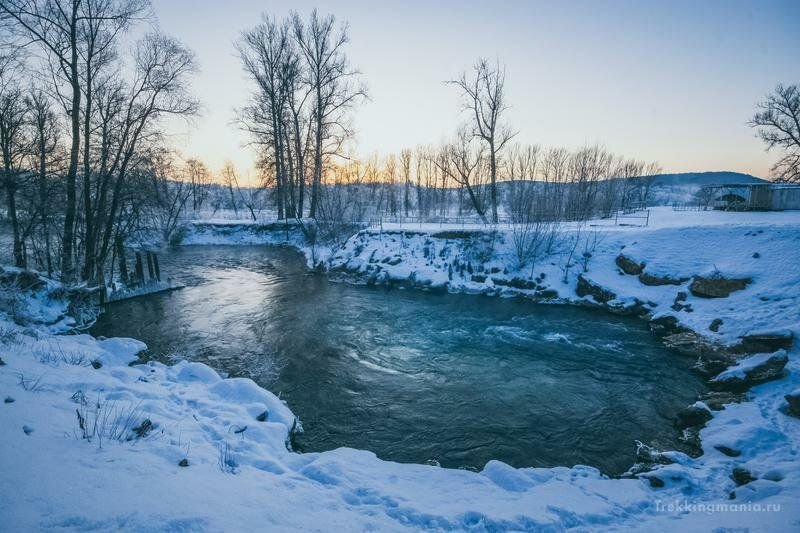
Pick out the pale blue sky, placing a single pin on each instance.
(670, 81)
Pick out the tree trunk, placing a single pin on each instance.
(11, 197)
(123, 263)
(317, 179)
(67, 270)
(89, 239)
(139, 269)
(493, 187)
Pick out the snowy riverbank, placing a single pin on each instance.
(233, 434)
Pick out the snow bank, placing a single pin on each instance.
(241, 476)
(763, 247)
(247, 232)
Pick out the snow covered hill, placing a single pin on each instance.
(667, 189)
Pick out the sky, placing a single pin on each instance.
(673, 82)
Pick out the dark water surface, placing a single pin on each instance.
(417, 377)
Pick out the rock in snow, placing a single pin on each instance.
(752, 370)
(588, 288)
(694, 415)
(717, 286)
(793, 399)
(767, 341)
(628, 265)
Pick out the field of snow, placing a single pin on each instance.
(119, 471)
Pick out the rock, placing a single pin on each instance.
(655, 481)
(742, 476)
(588, 288)
(715, 324)
(636, 308)
(628, 265)
(714, 358)
(716, 286)
(262, 417)
(716, 400)
(730, 452)
(9, 399)
(756, 255)
(793, 399)
(694, 415)
(752, 370)
(96, 364)
(546, 294)
(27, 430)
(651, 280)
(2, 363)
(516, 283)
(666, 325)
(184, 462)
(766, 341)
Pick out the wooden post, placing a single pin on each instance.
(139, 269)
(123, 263)
(156, 267)
(150, 270)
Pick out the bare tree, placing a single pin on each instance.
(231, 182)
(335, 89)
(169, 195)
(270, 62)
(159, 89)
(484, 98)
(101, 23)
(55, 25)
(45, 130)
(461, 161)
(778, 124)
(405, 168)
(13, 146)
(198, 176)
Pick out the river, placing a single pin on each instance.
(417, 377)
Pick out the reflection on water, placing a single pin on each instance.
(416, 377)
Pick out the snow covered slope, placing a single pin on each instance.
(233, 434)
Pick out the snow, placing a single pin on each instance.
(242, 476)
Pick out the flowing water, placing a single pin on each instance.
(417, 377)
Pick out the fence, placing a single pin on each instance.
(639, 214)
(637, 218)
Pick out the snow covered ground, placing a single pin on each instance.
(121, 472)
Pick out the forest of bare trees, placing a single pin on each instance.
(81, 110)
(87, 169)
